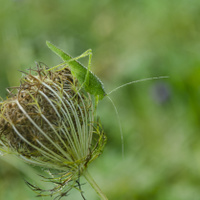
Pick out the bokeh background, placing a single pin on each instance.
(131, 40)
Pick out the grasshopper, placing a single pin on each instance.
(91, 83)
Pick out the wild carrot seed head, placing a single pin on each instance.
(49, 121)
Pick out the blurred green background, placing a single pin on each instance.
(131, 40)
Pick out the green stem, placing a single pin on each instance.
(94, 185)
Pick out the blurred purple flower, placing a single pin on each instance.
(161, 92)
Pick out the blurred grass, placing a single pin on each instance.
(130, 40)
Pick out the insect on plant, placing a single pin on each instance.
(90, 81)
(50, 121)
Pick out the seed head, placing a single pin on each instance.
(49, 121)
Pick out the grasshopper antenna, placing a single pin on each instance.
(120, 125)
(137, 81)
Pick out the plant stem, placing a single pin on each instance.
(94, 185)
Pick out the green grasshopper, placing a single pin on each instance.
(91, 83)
